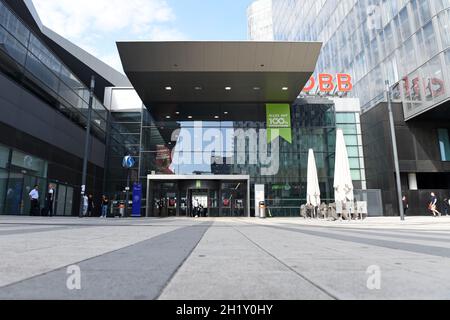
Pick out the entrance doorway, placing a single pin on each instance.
(219, 195)
(201, 199)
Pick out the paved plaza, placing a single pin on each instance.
(222, 259)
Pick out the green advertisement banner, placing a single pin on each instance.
(279, 122)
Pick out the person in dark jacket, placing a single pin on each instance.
(105, 206)
(446, 206)
(405, 204)
(433, 205)
(91, 205)
(49, 200)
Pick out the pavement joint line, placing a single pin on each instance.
(357, 239)
(392, 235)
(396, 266)
(361, 227)
(68, 225)
(37, 230)
(79, 262)
(207, 226)
(319, 287)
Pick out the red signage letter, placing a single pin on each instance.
(310, 85)
(326, 82)
(344, 82)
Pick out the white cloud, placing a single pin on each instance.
(75, 18)
(95, 25)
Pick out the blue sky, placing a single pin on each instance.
(95, 25)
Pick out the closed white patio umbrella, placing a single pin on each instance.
(313, 188)
(343, 184)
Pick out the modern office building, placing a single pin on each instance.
(260, 23)
(208, 111)
(405, 42)
(44, 94)
(205, 120)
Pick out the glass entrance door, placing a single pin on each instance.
(199, 198)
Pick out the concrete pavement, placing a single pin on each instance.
(223, 259)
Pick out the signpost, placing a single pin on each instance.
(128, 162)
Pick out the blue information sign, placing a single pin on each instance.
(137, 200)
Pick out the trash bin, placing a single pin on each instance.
(122, 210)
(262, 210)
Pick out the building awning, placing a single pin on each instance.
(240, 71)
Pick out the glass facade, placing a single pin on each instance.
(350, 123)
(403, 41)
(26, 57)
(260, 24)
(191, 141)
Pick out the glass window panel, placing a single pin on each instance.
(404, 23)
(72, 81)
(444, 144)
(13, 25)
(354, 163)
(424, 10)
(356, 174)
(31, 164)
(442, 4)
(44, 55)
(41, 72)
(351, 140)
(3, 184)
(433, 81)
(410, 61)
(429, 37)
(353, 152)
(349, 129)
(345, 117)
(71, 97)
(416, 18)
(4, 156)
(447, 60)
(444, 28)
(12, 47)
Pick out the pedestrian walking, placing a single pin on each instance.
(433, 205)
(196, 206)
(49, 201)
(405, 205)
(91, 205)
(105, 205)
(85, 205)
(34, 199)
(446, 206)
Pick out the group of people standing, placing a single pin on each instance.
(88, 206)
(432, 205)
(35, 208)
